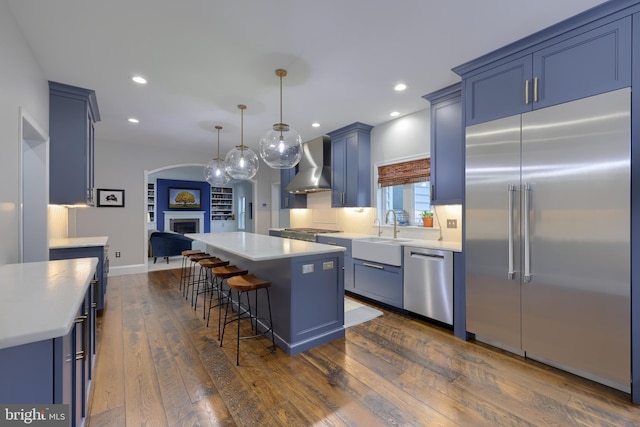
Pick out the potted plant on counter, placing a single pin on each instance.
(427, 219)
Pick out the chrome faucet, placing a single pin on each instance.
(395, 221)
(379, 226)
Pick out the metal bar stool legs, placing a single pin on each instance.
(185, 263)
(207, 280)
(244, 285)
(221, 274)
(190, 280)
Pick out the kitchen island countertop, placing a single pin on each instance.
(259, 247)
(78, 242)
(39, 300)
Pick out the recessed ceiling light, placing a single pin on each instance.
(394, 114)
(400, 87)
(139, 79)
(315, 125)
(133, 120)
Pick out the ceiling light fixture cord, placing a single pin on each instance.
(281, 146)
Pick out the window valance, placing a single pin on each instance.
(404, 173)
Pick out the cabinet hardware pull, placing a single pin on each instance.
(80, 355)
(80, 319)
(526, 92)
(331, 243)
(379, 267)
(535, 89)
(94, 304)
(527, 233)
(511, 274)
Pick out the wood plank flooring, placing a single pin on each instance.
(159, 365)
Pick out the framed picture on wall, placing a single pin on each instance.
(110, 198)
(184, 198)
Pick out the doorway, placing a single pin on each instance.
(34, 190)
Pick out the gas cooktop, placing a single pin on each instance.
(308, 234)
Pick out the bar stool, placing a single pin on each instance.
(185, 257)
(209, 282)
(243, 285)
(221, 274)
(191, 276)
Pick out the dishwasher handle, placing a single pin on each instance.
(422, 255)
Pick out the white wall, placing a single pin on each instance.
(120, 165)
(22, 84)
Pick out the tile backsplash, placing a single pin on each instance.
(320, 214)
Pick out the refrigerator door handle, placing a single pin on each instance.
(511, 274)
(527, 233)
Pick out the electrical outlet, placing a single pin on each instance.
(452, 223)
(117, 254)
(307, 268)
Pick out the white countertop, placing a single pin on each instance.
(419, 243)
(259, 247)
(39, 300)
(78, 242)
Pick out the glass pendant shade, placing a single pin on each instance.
(241, 162)
(214, 172)
(281, 147)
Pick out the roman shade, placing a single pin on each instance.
(404, 173)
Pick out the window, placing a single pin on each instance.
(408, 201)
(242, 209)
(405, 189)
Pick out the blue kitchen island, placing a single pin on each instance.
(307, 283)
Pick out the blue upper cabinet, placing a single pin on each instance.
(351, 166)
(72, 114)
(585, 61)
(498, 92)
(290, 200)
(595, 62)
(447, 146)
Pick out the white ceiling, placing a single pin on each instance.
(203, 57)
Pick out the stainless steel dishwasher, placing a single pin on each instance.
(428, 283)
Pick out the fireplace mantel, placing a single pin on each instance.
(169, 215)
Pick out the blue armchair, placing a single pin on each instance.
(165, 244)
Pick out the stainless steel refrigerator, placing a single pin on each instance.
(547, 235)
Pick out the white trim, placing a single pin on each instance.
(121, 270)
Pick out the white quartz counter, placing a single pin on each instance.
(39, 300)
(258, 247)
(78, 242)
(420, 243)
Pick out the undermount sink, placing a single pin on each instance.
(385, 250)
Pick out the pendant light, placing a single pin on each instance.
(281, 147)
(214, 172)
(241, 162)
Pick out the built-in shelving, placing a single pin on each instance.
(151, 202)
(221, 203)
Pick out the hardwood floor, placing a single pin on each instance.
(159, 365)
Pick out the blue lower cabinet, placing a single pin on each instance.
(53, 371)
(348, 260)
(380, 282)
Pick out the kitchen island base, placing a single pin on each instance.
(307, 297)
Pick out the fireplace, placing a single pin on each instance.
(182, 226)
(183, 219)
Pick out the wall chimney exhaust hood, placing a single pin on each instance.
(314, 169)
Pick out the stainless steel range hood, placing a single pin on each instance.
(314, 169)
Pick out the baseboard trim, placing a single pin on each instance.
(127, 269)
